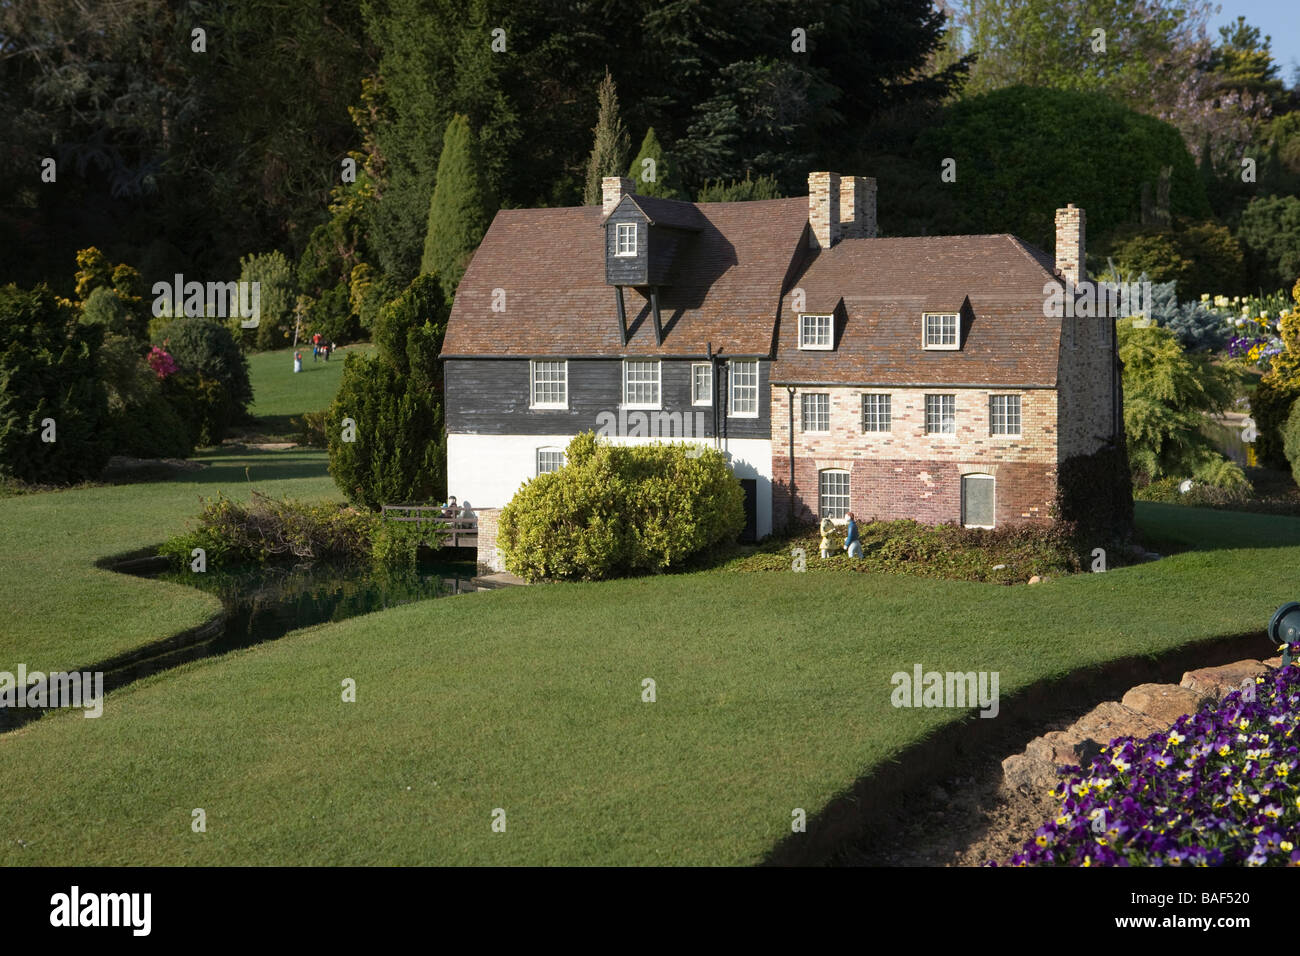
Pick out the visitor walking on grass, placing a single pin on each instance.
(852, 544)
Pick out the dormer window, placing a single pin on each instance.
(815, 332)
(625, 240)
(941, 330)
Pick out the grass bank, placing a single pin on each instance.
(773, 693)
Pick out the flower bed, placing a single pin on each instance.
(1219, 788)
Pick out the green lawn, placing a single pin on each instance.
(62, 612)
(773, 693)
(280, 394)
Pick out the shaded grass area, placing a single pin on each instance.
(62, 612)
(773, 692)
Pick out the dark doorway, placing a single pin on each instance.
(750, 531)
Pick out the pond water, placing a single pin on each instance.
(263, 604)
(1226, 435)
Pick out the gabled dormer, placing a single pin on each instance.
(644, 235)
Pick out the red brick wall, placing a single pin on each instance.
(927, 491)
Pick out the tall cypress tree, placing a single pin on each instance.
(609, 152)
(461, 208)
(652, 178)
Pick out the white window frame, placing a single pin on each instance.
(657, 382)
(941, 345)
(695, 393)
(817, 342)
(533, 367)
(622, 229)
(822, 495)
(984, 477)
(1006, 417)
(821, 399)
(733, 387)
(941, 396)
(888, 416)
(547, 450)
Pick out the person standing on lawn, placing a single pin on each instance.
(852, 544)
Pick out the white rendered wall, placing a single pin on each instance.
(487, 470)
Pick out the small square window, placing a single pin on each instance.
(941, 414)
(815, 332)
(1004, 414)
(625, 240)
(816, 412)
(702, 383)
(941, 330)
(876, 413)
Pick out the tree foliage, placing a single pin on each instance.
(393, 448)
(49, 374)
(1012, 174)
(1167, 393)
(653, 178)
(609, 150)
(461, 209)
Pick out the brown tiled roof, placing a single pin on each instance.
(725, 289)
(886, 285)
(668, 212)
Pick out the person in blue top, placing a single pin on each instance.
(852, 544)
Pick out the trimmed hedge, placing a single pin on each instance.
(614, 511)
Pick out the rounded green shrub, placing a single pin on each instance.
(214, 382)
(614, 511)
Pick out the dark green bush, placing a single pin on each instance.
(311, 429)
(1012, 178)
(394, 397)
(49, 368)
(1270, 234)
(614, 510)
(214, 374)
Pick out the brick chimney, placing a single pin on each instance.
(823, 210)
(1070, 223)
(858, 207)
(614, 188)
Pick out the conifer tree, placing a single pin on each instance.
(609, 151)
(653, 178)
(461, 208)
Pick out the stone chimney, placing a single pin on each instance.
(1070, 223)
(614, 188)
(823, 210)
(858, 207)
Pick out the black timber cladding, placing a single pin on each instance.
(491, 397)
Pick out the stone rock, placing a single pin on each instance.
(1112, 719)
(1164, 702)
(1273, 662)
(1035, 579)
(1019, 771)
(1215, 682)
(1078, 744)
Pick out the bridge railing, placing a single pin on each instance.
(461, 531)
